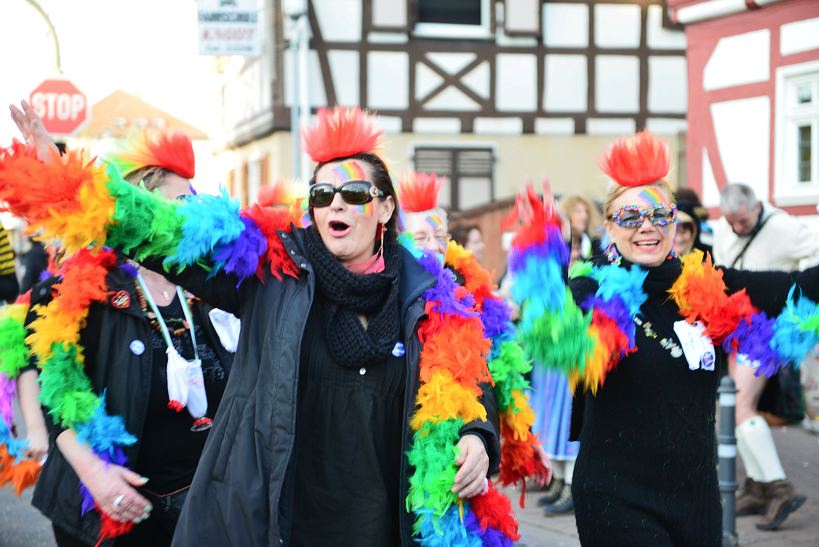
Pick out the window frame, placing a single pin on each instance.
(788, 190)
(453, 31)
(455, 176)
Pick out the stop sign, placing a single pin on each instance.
(62, 107)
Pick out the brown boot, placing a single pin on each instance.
(782, 501)
(751, 499)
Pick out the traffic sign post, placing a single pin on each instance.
(62, 107)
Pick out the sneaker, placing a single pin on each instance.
(751, 499)
(563, 505)
(552, 493)
(782, 501)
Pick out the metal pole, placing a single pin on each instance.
(294, 106)
(304, 89)
(727, 453)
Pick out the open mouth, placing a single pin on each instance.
(338, 228)
(646, 244)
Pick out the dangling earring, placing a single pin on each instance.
(381, 230)
(613, 255)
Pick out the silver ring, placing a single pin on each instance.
(118, 501)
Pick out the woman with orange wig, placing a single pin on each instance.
(360, 409)
(640, 331)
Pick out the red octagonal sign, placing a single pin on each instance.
(62, 107)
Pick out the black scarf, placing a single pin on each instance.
(347, 295)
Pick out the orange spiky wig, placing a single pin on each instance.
(637, 161)
(418, 192)
(340, 133)
(171, 150)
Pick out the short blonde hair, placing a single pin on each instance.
(618, 191)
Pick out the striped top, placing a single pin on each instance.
(6, 254)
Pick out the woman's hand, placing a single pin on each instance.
(470, 480)
(112, 488)
(35, 135)
(546, 462)
(37, 444)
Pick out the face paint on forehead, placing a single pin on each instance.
(652, 196)
(434, 221)
(349, 170)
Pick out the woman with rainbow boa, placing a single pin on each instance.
(359, 410)
(425, 223)
(641, 332)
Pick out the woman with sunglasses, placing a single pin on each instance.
(360, 409)
(640, 332)
(141, 341)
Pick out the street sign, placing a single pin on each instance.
(62, 107)
(229, 27)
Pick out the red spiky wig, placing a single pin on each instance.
(340, 133)
(418, 192)
(151, 147)
(637, 161)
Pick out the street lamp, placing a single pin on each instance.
(296, 10)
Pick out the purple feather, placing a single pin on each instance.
(495, 318)
(753, 339)
(8, 390)
(442, 294)
(241, 255)
(552, 248)
(128, 268)
(615, 309)
(490, 536)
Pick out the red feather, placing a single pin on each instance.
(495, 510)
(270, 221)
(340, 133)
(636, 161)
(110, 528)
(419, 192)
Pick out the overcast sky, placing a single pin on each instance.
(145, 47)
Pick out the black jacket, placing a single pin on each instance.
(126, 377)
(234, 499)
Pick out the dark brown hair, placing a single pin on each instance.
(381, 180)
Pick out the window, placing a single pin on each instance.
(470, 174)
(797, 146)
(453, 18)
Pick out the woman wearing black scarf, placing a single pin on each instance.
(310, 444)
(645, 473)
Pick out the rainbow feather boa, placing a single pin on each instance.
(588, 340)
(14, 469)
(507, 364)
(83, 203)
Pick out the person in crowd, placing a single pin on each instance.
(360, 399)
(154, 359)
(35, 265)
(639, 331)
(425, 226)
(756, 236)
(9, 288)
(582, 217)
(469, 237)
(698, 234)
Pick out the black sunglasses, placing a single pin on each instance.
(354, 192)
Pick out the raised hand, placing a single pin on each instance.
(35, 135)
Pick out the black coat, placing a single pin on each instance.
(234, 499)
(112, 366)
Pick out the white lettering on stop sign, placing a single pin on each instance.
(60, 106)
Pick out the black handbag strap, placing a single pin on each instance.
(751, 238)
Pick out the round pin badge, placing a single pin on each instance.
(137, 347)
